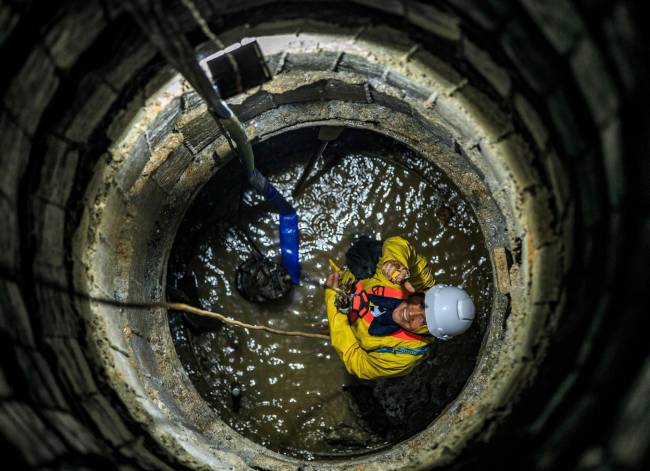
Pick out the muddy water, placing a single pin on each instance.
(292, 394)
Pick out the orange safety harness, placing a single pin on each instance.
(361, 308)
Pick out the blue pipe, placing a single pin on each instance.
(289, 235)
(289, 245)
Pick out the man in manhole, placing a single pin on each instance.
(385, 309)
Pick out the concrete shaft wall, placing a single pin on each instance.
(569, 78)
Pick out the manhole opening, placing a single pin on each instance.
(290, 394)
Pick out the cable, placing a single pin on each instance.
(214, 315)
(189, 4)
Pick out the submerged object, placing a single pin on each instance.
(259, 280)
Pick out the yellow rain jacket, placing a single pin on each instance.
(355, 346)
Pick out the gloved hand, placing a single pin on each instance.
(332, 280)
(397, 273)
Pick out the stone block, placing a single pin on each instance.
(32, 88)
(146, 460)
(405, 86)
(253, 106)
(485, 65)
(76, 29)
(77, 436)
(393, 103)
(359, 65)
(501, 266)
(136, 51)
(567, 129)
(8, 20)
(622, 43)
(191, 101)
(28, 434)
(395, 7)
(48, 221)
(612, 149)
(592, 197)
(530, 56)
(15, 320)
(107, 420)
(123, 118)
(285, 29)
(339, 90)
(558, 20)
(154, 85)
(57, 316)
(429, 18)
(90, 106)
(164, 123)
(532, 120)
(453, 117)
(384, 37)
(275, 62)
(514, 153)
(595, 82)
(547, 273)
(199, 132)
(557, 174)
(114, 8)
(311, 92)
(482, 113)
(482, 12)
(72, 367)
(169, 172)
(15, 147)
(315, 30)
(439, 74)
(439, 134)
(57, 172)
(9, 236)
(324, 60)
(540, 218)
(132, 166)
(5, 388)
(42, 387)
(567, 227)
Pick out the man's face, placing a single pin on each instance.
(409, 315)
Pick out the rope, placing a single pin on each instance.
(214, 315)
(196, 14)
(194, 11)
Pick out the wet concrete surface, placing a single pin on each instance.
(292, 394)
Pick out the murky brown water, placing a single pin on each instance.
(295, 395)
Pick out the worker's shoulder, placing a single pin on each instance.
(397, 243)
(395, 238)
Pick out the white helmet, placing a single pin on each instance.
(449, 311)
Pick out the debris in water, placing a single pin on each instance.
(259, 280)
